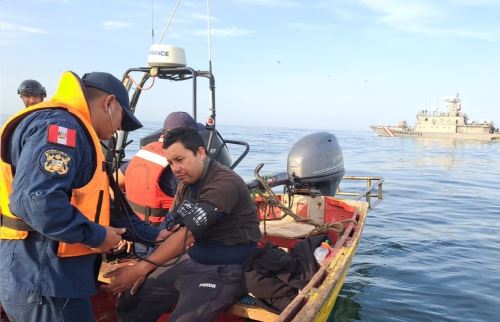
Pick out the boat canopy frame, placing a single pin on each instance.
(183, 73)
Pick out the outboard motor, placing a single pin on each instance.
(315, 162)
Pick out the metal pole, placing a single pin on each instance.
(169, 20)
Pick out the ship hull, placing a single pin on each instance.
(394, 131)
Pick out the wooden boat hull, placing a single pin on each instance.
(317, 299)
(321, 298)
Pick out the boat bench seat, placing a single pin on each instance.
(286, 227)
(252, 312)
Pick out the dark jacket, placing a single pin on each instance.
(275, 277)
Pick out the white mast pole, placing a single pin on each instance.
(212, 83)
(169, 20)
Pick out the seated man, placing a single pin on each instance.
(148, 181)
(217, 213)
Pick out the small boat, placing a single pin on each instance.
(312, 203)
(453, 124)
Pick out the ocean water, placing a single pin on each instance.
(431, 250)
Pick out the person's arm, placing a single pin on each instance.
(137, 229)
(133, 276)
(221, 192)
(45, 175)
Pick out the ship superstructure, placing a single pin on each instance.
(453, 124)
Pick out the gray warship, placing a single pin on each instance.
(453, 124)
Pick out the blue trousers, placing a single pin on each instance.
(21, 307)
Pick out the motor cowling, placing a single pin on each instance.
(316, 162)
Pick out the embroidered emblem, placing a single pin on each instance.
(62, 135)
(55, 162)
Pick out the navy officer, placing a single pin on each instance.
(55, 198)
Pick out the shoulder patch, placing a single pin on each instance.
(55, 162)
(61, 135)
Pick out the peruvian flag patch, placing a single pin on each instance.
(62, 135)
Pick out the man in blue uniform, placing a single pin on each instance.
(55, 200)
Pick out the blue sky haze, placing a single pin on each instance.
(343, 64)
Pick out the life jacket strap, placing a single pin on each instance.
(148, 211)
(14, 223)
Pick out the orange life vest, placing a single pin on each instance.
(142, 183)
(92, 200)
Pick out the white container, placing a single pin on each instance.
(320, 253)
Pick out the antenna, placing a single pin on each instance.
(169, 20)
(212, 81)
(211, 102)
(209, 38)
(152, 24)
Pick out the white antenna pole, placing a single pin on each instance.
(212, 84)
(152, 23)
(211, 99)
(169, 20)
(209, 36)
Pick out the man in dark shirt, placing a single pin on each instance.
(217, 213)
(147, 179)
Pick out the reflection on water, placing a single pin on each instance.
(431, 250)
(428, 249)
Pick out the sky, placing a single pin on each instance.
(319, 64)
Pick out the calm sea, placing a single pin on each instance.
(431, 250)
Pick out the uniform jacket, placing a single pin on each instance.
(91, 200)
(42, 195)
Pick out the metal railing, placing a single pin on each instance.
(373, 190)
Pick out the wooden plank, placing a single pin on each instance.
(252, 312)
(286, 228)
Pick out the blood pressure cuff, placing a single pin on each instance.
(196, 216)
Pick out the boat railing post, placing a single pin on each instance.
(368, 194)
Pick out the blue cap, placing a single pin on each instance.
(200, 126)
(112, 85)
(176, 120)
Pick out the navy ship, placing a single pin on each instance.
(453, 124)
